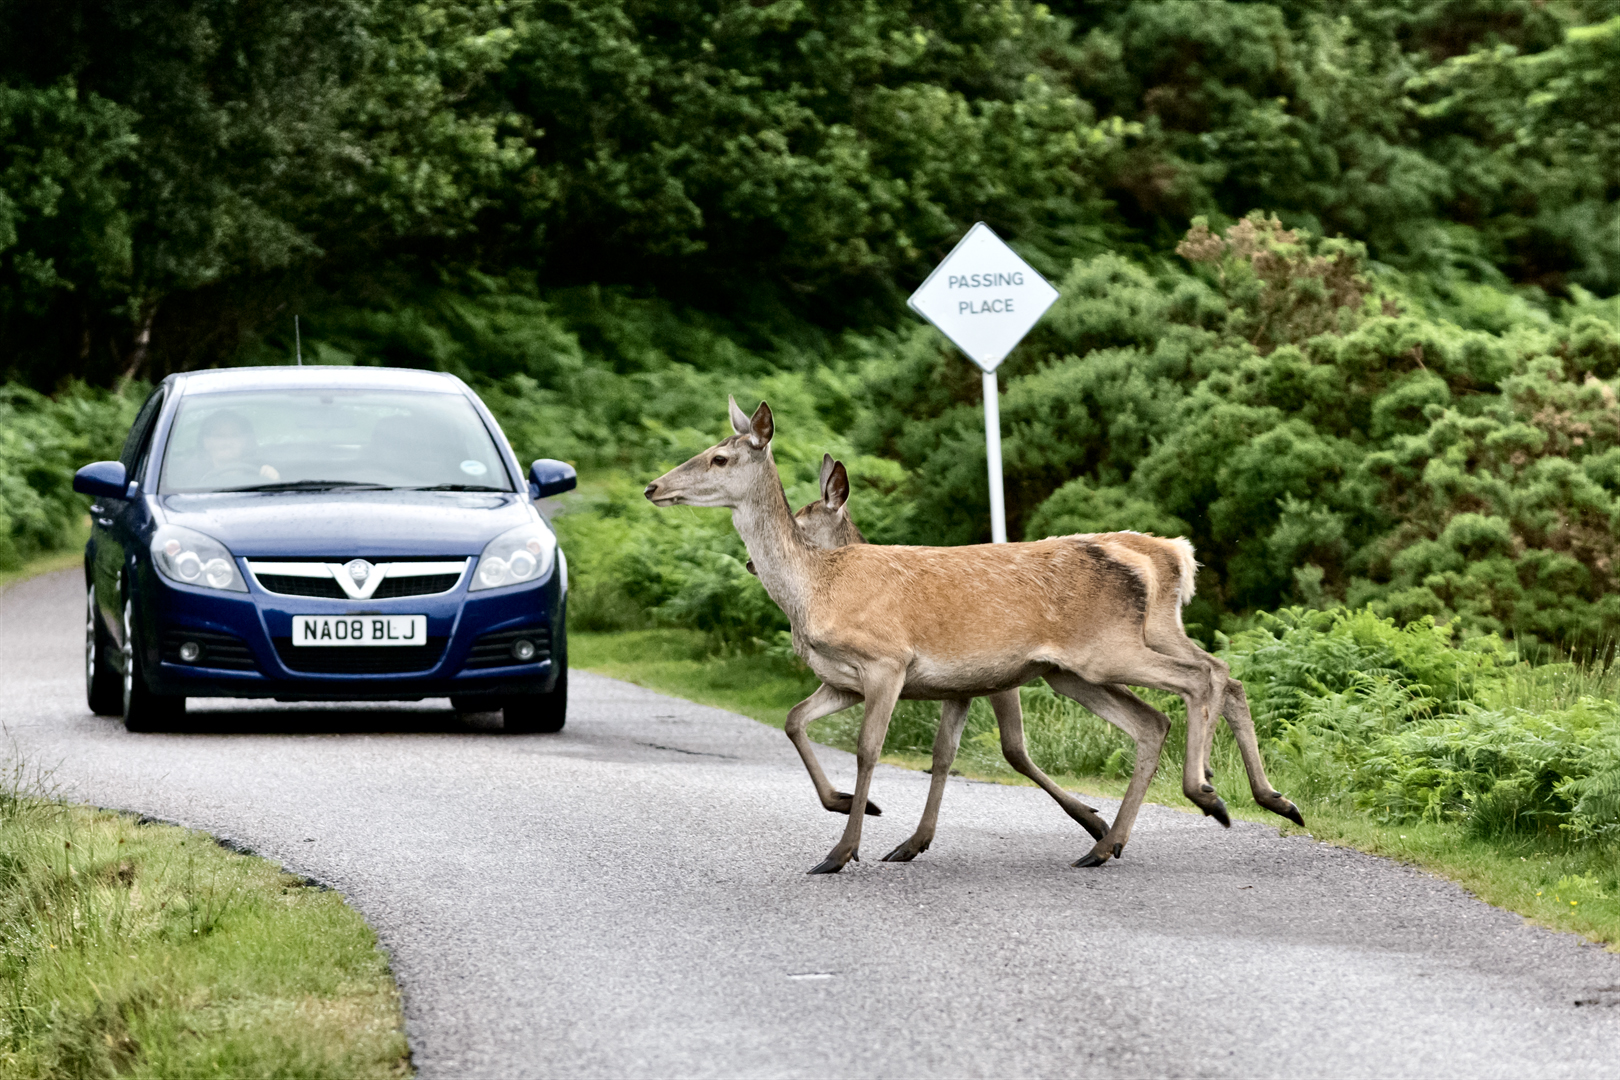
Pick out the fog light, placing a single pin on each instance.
(189, 651)
(523, 649)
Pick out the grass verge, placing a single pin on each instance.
(1547, 880)
(149, 950)
(70, 556)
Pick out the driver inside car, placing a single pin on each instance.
(231, 446)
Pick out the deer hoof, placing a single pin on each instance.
(843, 801)
(1218, 811)
(905, 852)
(828, 865)
(1094, 857)
(1282, 807)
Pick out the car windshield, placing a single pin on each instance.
(302, 440)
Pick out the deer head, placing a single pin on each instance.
(727, 473)
(826, 522)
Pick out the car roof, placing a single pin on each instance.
(319, 377)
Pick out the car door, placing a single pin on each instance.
(110, 520)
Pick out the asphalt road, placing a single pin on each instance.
(628, 898)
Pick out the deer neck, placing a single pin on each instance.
(782, 558)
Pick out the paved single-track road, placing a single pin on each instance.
(628, 898)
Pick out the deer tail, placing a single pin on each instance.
(1188, 567)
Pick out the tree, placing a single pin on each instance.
(214, 148)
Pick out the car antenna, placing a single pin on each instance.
(298, 342)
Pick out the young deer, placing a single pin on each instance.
(826, 524)
(875, 623)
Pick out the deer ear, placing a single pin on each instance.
(826, 472)
(761, 427)
(739, 419)
(835, 491)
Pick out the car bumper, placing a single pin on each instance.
(246, 648)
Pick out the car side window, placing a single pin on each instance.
(140, 434)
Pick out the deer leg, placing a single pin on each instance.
(952, 719)
(1235, 708)
(1196, 773)
(824, 702)
(882, 691)
(1242, 725)
(1010, 719)
(1164, 634)
(1144, 724)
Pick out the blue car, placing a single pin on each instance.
(323, 534)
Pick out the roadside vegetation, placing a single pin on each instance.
(67, 559)
(135, 949)
(1340, 302)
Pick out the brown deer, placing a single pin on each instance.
(875, 623)
(826, 523)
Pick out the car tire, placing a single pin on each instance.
(103, 689)
(143, 709)
(542, 714)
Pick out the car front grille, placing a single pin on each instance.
(218, 650)
(287, 585)
(390, 589)
(400, 578)
(495, 650)
(414, 586)
(360, 659)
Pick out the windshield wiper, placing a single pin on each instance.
(457, 487)
(311, 485)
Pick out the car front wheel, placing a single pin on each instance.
(538, 713)
(143, 709)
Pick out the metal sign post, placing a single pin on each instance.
(992, 453)
(985, 299)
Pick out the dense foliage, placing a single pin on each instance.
(42, 442)
(1319, 438)
(180, 176)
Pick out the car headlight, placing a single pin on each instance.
(515, 557)
(189, 557)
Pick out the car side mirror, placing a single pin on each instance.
(103, 479)
(548, 476)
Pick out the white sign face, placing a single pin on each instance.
(983, 297)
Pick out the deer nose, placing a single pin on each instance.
(652, 490)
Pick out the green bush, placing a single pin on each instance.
(42, 442)
(1319, 437)
(1405, 723)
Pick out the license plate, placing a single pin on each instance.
(328, 630)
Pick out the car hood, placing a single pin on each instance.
(348, 524)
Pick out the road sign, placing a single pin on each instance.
(985, 299)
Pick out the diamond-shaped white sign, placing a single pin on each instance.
(983, 297)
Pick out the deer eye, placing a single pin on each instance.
(718, 459)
